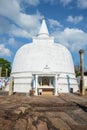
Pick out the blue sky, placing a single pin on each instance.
(21, 19)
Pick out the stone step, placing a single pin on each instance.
(3, 93)
(79, 127)
(58, 109)
(53, 105)
(83, 106)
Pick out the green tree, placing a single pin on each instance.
(77, 70)
(5, 65)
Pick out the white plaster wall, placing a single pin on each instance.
(65, 89)
(34, 57)
(22, 88)
(85, 81)
(23, 84)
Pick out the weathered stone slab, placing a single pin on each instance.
(45, 113)
(21, 124)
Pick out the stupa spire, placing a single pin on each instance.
(43, 30)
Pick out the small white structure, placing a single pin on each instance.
(85, 81)
(43, 66)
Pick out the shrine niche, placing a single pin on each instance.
(45, 81)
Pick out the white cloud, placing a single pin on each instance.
(50, 1)
(54, 23)
(10, 9)
(29, 21)
(4, 51)
(24, 23)
(75, 19)
(79, 3)
(19, 32)
(32, 2)
(74, 39)
(65, 2)
(82, 4)
(4, 25)
(11, 41)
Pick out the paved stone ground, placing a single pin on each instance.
(64, 112)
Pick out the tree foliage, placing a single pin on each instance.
(77, 70)
(5, 65)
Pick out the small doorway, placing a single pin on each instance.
(45, 81)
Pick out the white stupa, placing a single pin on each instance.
(44, 66)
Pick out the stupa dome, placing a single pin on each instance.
(49, 61)
(42, 53)
(37, 56)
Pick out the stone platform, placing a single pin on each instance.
(64, 112)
